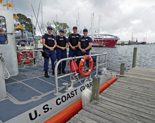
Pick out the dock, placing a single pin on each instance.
(131, 99)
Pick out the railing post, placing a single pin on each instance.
(134, 57)
(95, 88)
(122, 68)
(56, 78)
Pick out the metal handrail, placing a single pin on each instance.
(73, 58)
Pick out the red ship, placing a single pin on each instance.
(143, 42)
(105, 40)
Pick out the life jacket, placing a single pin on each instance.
(85, 42)
(74, 39)
(61, 41)
(49, 41)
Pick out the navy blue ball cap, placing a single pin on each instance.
(49, 27)
(74, 27)
(61, 30)
(85, 30)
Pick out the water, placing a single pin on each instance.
(120, 54)
(124, 54)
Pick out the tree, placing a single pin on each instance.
(63, 26)
(26, 22)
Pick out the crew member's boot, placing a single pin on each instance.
(46, 74)
(59, 72)
(63, 70)
(53, 71)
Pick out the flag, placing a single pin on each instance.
(19, 27)
(1, 1)
(15, 16)
(9, 5)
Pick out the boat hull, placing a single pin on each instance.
(105, 42)
(73, 109)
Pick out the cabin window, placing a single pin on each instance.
(3, 35)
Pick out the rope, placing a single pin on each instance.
(5, 69)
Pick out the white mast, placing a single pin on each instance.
(34, 43)
(78, 24)
(99, 26)
(7, 6)
(56, 18)
(42, 12)
(132, 37)
(92, 26)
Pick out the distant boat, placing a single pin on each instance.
(105, 40)
(144, 42)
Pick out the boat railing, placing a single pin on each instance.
(98, 63)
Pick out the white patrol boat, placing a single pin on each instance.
(26, 96)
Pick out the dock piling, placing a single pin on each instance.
(95, 88)
(134, 57)
(122, 68)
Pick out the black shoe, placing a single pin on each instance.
(59, 72)
(63, 70)
(46, 74)
(53, 72)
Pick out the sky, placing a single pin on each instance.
(118, 17)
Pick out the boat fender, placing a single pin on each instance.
(73, 66)
(86, 97)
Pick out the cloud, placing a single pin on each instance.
(120, 18)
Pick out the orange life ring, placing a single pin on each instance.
(81, 64)
(29, 60)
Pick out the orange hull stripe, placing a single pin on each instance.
(73, 109)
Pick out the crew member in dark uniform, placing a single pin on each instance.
(85, 44)
(49, 43)
(3, 37)
(73, 43)
(61, 50)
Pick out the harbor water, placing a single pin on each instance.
(124, 54)
(120, 54)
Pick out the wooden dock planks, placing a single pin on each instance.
(131, 99)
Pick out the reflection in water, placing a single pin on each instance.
(124, 54)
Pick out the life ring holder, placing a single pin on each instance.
(28, 59)
(81, 65)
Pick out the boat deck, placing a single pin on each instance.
(130, 99)
(29, 89)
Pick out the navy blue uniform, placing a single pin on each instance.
(73, 39)
(3, 39)
(84, 44)
(49, 41)
(61, 41)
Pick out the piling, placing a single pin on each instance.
(122, 68)
(134, 57)
(95, 88)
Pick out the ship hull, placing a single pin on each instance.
(105, 42)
